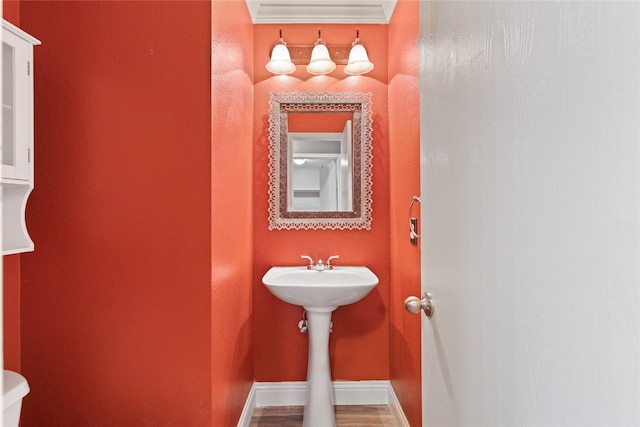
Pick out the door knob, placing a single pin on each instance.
(414, 304)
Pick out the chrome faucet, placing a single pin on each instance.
(311, 264)
(320, 265)
(329, 266)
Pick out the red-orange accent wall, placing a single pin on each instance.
(143, 300)
(359, 344)
(11, 312)
(116, 299)
(231, 211)
(404, 172)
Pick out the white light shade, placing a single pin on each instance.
(321, 62)
(358, 61)
(280, 62)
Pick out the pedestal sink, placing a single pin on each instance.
(319, 292)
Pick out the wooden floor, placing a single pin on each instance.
(346, 416)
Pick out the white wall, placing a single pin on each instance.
(530, 133)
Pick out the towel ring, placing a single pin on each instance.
(413, 233)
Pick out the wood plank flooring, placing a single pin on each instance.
(346, 416)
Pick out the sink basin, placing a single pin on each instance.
(326, 289)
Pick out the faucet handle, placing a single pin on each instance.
(328, 265)
(310, 266)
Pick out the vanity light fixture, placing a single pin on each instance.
(358, 59)
(319, 58)
(321, 62)
(280, 62)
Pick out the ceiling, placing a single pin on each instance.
(321, 11)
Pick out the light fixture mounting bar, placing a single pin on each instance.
(301, 54)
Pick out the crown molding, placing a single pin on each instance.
(321, 11)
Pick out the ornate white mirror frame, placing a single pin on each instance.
(280, 216)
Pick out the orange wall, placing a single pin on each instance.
(11, 263)
(231, 211)
(359, 344)
(404, 172)
(313, 122)
(116, 299)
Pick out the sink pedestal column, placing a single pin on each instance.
(319, 408)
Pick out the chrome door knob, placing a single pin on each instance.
(414, 304)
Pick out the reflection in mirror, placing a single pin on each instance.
(320, 161)
(320, 173)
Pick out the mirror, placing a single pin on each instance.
(320, 161)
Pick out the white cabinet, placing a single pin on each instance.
(17, 136)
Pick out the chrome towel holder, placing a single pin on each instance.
(413, 234)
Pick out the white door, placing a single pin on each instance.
(345, 163)
(530, 195)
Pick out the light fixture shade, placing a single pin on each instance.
(320, 62)
(280, 62)
(358, 61)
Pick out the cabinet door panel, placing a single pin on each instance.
(16, 92)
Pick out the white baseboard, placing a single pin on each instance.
(294, 393)
(398, 413)
(249, 406)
